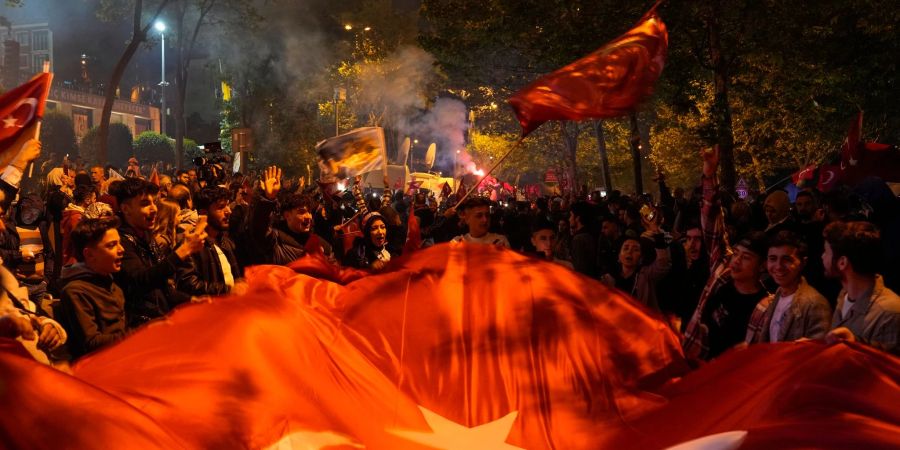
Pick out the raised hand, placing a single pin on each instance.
(271, 182)
(710, 160)
(194, 240)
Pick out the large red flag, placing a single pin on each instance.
(21, 109)
(609, 82)
(437, 352)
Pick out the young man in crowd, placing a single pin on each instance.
(543, 238)
(214, 270)
(584, 244)
(733, 289)
(796, 310)
(145, 270)
(476, 213)
(292, 237)
(92, 305)
(867, 311)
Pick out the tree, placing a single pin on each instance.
(112, 10)
(119, 142)
(151, 147)
(190, 17)
(58, 135)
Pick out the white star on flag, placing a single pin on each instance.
(9, 122)
(448, 435)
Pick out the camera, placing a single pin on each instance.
(209, 166)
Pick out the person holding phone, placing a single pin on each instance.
(146, 270)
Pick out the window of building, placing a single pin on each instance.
(40, 40)
(141, 125)
(22, 38)
(39, 62)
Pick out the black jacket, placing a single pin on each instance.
(92, 310)
(275, 243)
(145, 278)
(202, 275)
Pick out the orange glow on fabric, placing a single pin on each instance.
(607, 83)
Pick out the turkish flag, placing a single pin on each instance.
(413, 232)
(440, 351)
(21, 109)
(805, 174)
(609, 82)
(413, 187)
(829, 176)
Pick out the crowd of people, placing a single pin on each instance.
(90, 259)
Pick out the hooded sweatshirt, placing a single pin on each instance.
(93, 309)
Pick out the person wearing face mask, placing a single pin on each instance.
(19, 318)
(290, 238)
(370, 251)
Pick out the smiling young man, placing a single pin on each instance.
(146, 271)
(476, 214)
(213, 270)
(92, 305)
(796, 310)
(733, 289)
(283, 241)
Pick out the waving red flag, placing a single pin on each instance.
(438, 352)
(607, 83)
(21, 109)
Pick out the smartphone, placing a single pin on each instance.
(648, 213)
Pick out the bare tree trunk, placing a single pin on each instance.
(721, 107)
(138, 35)
(636, 155)
(604, 157)
(570, 143)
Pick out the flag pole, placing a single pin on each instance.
(517, 145)
(37, 128)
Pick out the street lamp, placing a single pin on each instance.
(161, 27)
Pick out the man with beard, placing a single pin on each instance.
(733, 288)
(867, 311)
(92, 305)
(145, 270)
(290, 238)
(213, 270)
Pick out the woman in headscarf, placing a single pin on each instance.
(59, 195)
(370, 251)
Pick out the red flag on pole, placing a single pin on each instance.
(829, 176)
(805, 174)
(607, 83)
(446, 190)
(21, 109)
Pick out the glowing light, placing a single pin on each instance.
(479, 172)
(340, 186)
(348, 27)
(367, 29)
(159, 26)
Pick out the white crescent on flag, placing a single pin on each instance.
(15, 119)
(830, 177)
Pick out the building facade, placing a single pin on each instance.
(35, 46)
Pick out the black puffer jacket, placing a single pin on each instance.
(145, 278)
(275, 243)
(203, 274)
